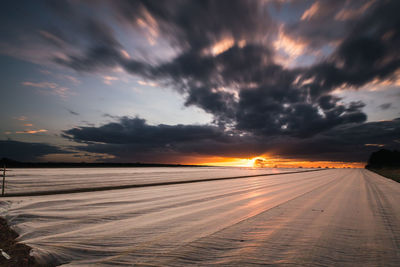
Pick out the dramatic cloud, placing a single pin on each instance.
(134, 139)
(368, 52)
(24, 151)
(226, 64)
(224, 57)
(136, 131)
(327, 22)
(198, 25)
(104, 51)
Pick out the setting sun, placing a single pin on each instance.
(229, 162)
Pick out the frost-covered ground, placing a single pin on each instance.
(54, 179)
(330, 217)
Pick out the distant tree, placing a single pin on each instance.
(384, 158)
(260, 163)
(8, 162)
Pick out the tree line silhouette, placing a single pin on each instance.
(384, 158)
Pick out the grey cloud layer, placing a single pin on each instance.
(26, 151)
(134, 139)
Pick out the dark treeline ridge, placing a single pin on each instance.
(9, 163)
(386, 163)
(384, 159)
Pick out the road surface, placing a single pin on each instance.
(348, 217)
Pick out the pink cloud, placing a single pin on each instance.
(31, 131)
(309, 13)
(41, 84)
(56, 89)
(21, 118)
(109, 79)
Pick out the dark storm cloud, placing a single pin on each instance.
(25, 151)
(220, 104)
(134, 139)
(195, 25)
(243, 86)
(190, 25)
(137, 131)
(369, 51)
(102, 52)
(263, 112)
(326, 22)
(263, 97)
(269, 101)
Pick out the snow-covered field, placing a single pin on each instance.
(44, 180)
(329, 217)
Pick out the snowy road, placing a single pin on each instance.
(325, 218)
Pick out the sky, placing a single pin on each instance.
(227, 82)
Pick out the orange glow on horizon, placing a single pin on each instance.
(266, 161)
(270, 162)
